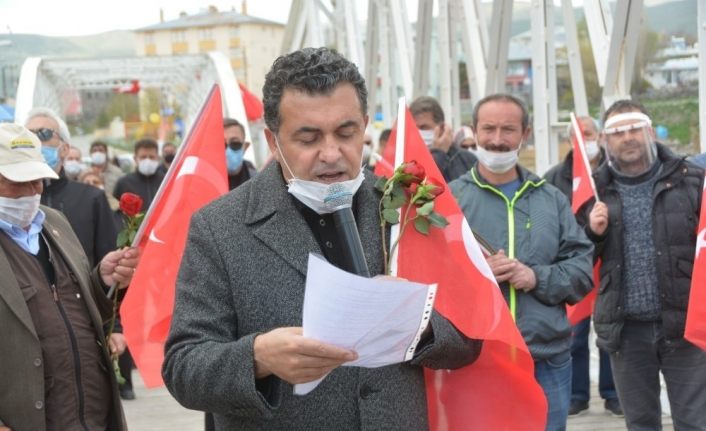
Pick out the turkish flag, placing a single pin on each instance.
(132, 87)
(254, 108)
(582, 191)
(498, 391)
(696, 313)
(197, 176)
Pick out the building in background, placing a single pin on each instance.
(249, 42)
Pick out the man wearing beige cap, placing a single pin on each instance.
(55, 369)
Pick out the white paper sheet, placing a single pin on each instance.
(381, 319)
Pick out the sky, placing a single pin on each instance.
(82, 17)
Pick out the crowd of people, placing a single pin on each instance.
(236, 347)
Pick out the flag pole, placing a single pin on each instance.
(399, 159)
(578, 134)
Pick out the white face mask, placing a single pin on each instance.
(19, 211)
(592, 149)
(497, 162)
(73, 168)
(147, 167)
(98, 158)
(315, 194)
(427, 137)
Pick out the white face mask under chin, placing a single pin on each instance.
(313, 193)
(497, 162)
(592, 149)
(19, 211)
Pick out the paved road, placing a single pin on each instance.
(156, 410)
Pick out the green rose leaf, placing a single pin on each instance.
(438, 220)
(426, 209)
(123, 239)
(391, 216)
(422, 225)
(380, 184)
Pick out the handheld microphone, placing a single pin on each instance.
(339, 201)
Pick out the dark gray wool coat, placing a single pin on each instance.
(242, 274)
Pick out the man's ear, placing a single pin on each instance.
(272, 144)
(246, 145)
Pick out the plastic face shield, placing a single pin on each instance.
(629, 142)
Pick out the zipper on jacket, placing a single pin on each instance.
(510, 205)
(74, 345)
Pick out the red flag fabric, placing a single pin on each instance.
(582, 191)
(254, 108)
(498, 391)
(132, 87)
(583, 188)
(696, 313)
(197, 176)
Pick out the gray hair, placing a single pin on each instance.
(315, 71)
(63, 131)
(570, 127)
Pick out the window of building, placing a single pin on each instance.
(149, 37)
(179, 36)
(205, 33)
(235, 31)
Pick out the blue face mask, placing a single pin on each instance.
(51, 156)
(234, 159)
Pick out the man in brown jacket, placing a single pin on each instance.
(55, 371)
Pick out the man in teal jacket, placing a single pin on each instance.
(542, 258)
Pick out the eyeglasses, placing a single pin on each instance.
(234, 144)
(45, 134)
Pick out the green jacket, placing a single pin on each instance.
(537, 228)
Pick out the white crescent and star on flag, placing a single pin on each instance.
(187, 168)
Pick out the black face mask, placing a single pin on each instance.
(169, 158)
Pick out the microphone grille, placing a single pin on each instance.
(338, 197)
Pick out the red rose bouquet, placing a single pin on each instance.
(411, 194)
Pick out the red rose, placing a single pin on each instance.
(414, 169)
(437, 189)
(130, 204)
(411, 190)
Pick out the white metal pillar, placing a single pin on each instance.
(544, 92)
(621, 54)
(599, 22)
(701, 29)
(474, 39)
(578, 86)
(445, 60)
(422, 54)
(500, 24)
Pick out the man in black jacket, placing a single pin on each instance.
(644, 229)
(146, 179)
(239, 169)
(85, 206)
(452, 160)
(561, 176)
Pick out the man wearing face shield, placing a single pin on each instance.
(543, 259)
(235, 346)
(55, 369)
(561, 176)
(452, 160)
(86, 207)
(644, 229)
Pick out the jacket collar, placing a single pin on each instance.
(277, 222)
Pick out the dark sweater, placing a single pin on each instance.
(143, 186)
(88, 212)
(640, 261)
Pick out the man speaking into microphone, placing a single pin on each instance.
(235, 346)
